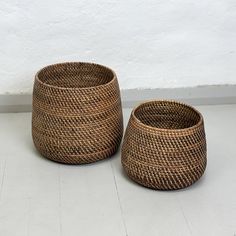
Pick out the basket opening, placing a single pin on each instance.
(167, 115)
(75, 75)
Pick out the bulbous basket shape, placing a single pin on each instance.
(164, 145)
(77, 116)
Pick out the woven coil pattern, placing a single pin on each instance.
(164, 145)
(77, 116)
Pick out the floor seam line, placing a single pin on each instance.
(118, 197)
(59, 183)
(3, 179)
(185, 218)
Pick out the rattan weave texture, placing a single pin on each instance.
(77, 116)
(164, 145)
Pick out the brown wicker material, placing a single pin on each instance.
(164, 145)
(77, 116)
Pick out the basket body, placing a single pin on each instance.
(164, 145)
(76, 114)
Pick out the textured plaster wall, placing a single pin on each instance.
(149, 43)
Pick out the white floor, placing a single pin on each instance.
(40, 197)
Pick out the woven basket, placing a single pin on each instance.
(164, 145)
(77, 116)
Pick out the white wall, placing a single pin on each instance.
(149, 43)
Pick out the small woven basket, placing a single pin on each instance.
(164, 145)
(77, 116)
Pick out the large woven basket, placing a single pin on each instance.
(164, 145)
(77, 115)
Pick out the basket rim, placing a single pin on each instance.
(198, 124)
(76, 88)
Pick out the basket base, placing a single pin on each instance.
(80, 159)
(164, 185)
